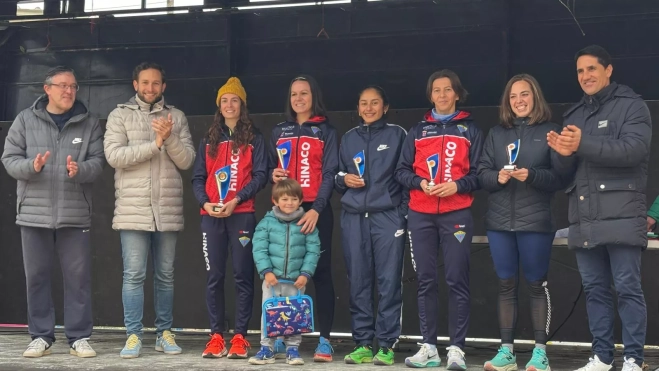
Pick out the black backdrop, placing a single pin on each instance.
(190, 309)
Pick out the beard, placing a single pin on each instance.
(156, 99)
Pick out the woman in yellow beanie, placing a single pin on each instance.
(230, 169)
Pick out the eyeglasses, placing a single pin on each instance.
(74, 87)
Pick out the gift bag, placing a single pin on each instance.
(287, 315)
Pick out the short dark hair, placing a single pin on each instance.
(57, 71)
(455, 84)
(317, 104)
(380, 91)
(603, 57)
(148, 66)
(286, 187)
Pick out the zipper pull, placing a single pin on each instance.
(366, 215)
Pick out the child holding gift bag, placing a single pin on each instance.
(282, 252)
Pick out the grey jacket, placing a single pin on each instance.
(148, 185)
(609, 171)
(50, 199)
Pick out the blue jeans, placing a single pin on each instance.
(135, 246)
(599, 267)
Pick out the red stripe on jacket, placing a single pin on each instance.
(306, 164)
(241, 174)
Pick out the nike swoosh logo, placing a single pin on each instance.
(77, 140)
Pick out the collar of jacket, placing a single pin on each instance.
(80, 112)
(519, 121)
(376, 125)
(227, 132)
(601, 97)
(461, 116)
(295, 215)
(613, 90)
(135, 103)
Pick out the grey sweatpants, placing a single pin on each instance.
(281, 289)
(72, 247)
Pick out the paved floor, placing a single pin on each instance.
(108, 345)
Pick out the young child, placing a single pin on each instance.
(282, 251)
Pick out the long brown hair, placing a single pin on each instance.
(242, 136)
(541, 111)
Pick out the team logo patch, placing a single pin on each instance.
(315, 129)
(458, 226)
(460, 235)
(462, 128)
(244, 240)
(423, 133)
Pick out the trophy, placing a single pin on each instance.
(284, 154)
(222, 178)
(513, 151)
(433, 166)
(360, 163)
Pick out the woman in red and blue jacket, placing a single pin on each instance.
(438, 164)
(235, 150)
(306, 144)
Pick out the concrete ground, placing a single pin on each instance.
(108, 345)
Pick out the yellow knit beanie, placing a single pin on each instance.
(233, 86)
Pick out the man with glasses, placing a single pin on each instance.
(54, 150)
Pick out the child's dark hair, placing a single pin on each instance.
(287, 187)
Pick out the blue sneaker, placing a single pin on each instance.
(165, 343)
(293, 357)
(263, 357)
(132, 348)
(280, 349)
(323, 351)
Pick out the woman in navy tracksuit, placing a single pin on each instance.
(373, 222)
(448, 143)
(308, 144)
(231, 141)
(519, 219)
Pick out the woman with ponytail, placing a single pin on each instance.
(230, 169)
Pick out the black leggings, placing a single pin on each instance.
(508, 310)
(533, 251)
(322, 279)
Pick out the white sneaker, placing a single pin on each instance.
(425, 357)
(37, 348)
(630, 365)
(82, 349)
(594, 364)
(455, 359)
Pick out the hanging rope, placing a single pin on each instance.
(567, 6)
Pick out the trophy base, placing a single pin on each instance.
(217, 208)
(510, 167)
